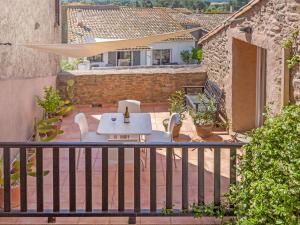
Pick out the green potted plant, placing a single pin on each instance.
(47, 129)
(15, 179)
(176, 105)
(51, 102)
(205, 119)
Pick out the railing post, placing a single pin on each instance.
(6, 170)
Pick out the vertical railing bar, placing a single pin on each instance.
(39, 180)
(56, 181)
(121, 178)
(23, 179)
(72, 179)
(153, 205)
(200, 176)
(88, 179)
(137, 180)
(217, 176)
(185, 175)
(169, 179)
(233, 165)
(6, 170)
(104, 179)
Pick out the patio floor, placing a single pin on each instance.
(158, 113)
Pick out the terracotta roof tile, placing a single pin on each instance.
(119, 23)
(207, 21)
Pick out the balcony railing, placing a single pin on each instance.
(105, 211)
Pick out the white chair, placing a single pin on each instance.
(85, 134)
(161, 136)
(133, 106)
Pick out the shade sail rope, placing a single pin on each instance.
(92, 49)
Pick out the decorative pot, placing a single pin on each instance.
(204, 131)
(14, 196)
(176, 129)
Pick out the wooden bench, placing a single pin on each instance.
(210, 91)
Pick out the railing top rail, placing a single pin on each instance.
(123, 144)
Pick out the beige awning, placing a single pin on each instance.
(91, 49)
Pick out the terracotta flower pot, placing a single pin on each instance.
(14, 195)
(204, 131)
(176, 130)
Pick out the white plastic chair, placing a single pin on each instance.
(85, 134)
(161, 136)
(133, 106)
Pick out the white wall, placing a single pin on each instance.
(176, 47)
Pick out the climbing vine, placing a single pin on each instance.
(292, 43)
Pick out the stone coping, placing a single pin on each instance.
(130, 71)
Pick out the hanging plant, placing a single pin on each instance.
(292, 44)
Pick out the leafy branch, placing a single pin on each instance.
(292, 44)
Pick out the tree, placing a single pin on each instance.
(176, 4)
(148, 4)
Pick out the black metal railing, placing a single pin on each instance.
(56, 209)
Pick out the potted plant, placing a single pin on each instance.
(204, 120)
(51, 102)
(47, 129)
(14, 179)
(176, 102)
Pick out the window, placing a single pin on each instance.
(161, 57)
(124, 58)
(96, 58)
(57, 12)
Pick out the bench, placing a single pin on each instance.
(210, 91)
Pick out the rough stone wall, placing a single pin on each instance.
(24, 72)
(272, 22)
(110, 88)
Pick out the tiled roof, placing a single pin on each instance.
(114, 22)
(234, 16)
(207, 21)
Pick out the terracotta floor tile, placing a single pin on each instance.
(158, 112)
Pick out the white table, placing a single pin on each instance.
(140, 124)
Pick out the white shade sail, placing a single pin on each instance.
(91, 49)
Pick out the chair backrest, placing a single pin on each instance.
(133, 106)
(81, 120)
(174, 119)
(213, 91)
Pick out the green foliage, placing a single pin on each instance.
(176, 103)
(69, 65)
(51, 101)
(15, 172)
(269, 190)
(166, 211)
(293, 61)
(47, 129)
(70, 90)
(189, 56)
(292, 44)
(186, 56)
(200, 210)
(197, 54)
(207, 114)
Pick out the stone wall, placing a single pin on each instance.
(272, 21)
(24, 72)
(145, 85)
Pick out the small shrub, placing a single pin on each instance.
(269, 190)
(186, 56)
